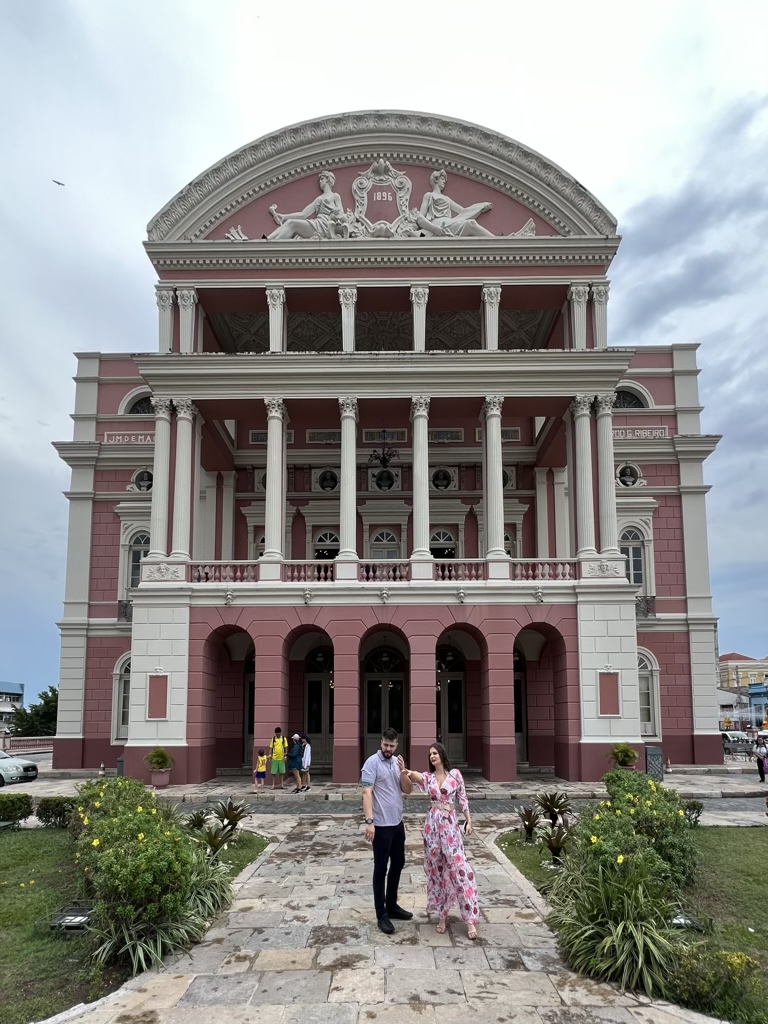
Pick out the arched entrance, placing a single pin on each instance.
(521, 708)
(318, 704)
(450, 702)
(385, 697)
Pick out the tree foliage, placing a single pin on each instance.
(39, 719)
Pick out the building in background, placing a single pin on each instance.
(384, 469)
(11, 697)
(739, 670)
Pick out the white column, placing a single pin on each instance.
(161, 471)
(348, 507)
(348, 298)
(187, 298)
(164, 296)
(228, 481)
(606, 479)
(585, 506)
(491, 300)
(542, 513)
(420, 422)
(275, 499)
(494, 485)
(419, 296)
(182, 481)
(600, 314)
(276, 303)
(578, 295)
(562, 547)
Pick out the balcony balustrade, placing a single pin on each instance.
(384, 572)
(459, 569)
(308, 572)
(543, 570)
(224, 572)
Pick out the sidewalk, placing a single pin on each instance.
(300, 946)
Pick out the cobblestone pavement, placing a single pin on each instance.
(300, 946)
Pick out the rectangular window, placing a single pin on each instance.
(377, 436)
(508, 434)
(260, 436)
(445, 435)
(324, 437)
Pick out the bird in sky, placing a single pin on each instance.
(58, 182)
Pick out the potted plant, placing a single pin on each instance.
(159, 762)
(623, 756)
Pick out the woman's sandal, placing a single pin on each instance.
(442, 925)
(471, 932)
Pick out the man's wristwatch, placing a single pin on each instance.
(369, 821)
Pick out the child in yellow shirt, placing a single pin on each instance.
(261, 771)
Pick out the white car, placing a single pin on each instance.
(16, 769)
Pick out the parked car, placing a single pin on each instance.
(734, 736)
(16, 769)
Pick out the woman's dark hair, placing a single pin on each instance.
(443, 756)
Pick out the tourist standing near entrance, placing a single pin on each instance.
(760, 754)
(277, 750)
(384, 780)
(450, 879)
(306, 761)
(294, 761)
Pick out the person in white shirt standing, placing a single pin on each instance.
(306, 761)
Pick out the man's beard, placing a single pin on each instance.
(388, 753)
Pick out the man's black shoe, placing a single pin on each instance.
(399, 914)
(386, 925)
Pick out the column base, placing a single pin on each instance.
(179, 556)
(497, 566)
(422, 566)
(270, 571)
(346, 568)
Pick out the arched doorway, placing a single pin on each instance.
(521, 708)
(442, 545)
(450, 702)
(318, 704)
(385, 703)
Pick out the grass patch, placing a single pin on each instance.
(527, 857)
(42, 972)
(246, 848)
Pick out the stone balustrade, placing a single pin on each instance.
(543, 570)
(464, 569)
(384, 572)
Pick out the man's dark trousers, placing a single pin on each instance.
(388, 848)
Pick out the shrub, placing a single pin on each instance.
(159, 760)
(210, 888)
(555, 805)
(613, 923)
(622, 754)
(719, 983)
(196, 820)
(529, 818)
(554, 837)
(214, 838)
(107, 798)
(693, 810)
(55, 811)
(15, 807)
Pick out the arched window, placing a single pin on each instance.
(384, 660)
(384, 544)
(139, 548)
(123, 701)
(628, 400)
(442, 544)
(632, 548)
(326, 545)
(647, 677)
(141, 407)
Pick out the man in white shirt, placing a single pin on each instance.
(384, 781)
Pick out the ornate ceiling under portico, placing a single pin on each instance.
(504, 168)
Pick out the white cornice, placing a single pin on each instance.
(525, 374)
(363, 137)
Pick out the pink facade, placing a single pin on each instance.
(245, 551)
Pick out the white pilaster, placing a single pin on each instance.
(276, 303)
(420, 422)
(187, 299)
(491, 300)
(228, 481)
(347, 299)
(419, 297)
(606, 480)
(577, 296)
(161, 470)
(348, 509)
(494, 485)
(208, 512)
(275, 496)
(600, 314)
(542, 513)
(562, 545)
(164, 295)
(182, 481)
(585, 506)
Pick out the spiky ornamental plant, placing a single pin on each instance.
(554, 837)
(530, 818)
(554, 805)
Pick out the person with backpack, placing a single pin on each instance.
(278, 747)
(294, 761)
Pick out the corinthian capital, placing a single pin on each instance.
(275, 297)
(605, 403)
(493, 405)
(187, 297)
(578, 294)
(347, 297)
(600, 293)
(348, 407)
(161, 405)
(491, 294)
(581, 405)
(185, 409)
(419, 406)
(275, 407)
(419, 296)
(164, 296)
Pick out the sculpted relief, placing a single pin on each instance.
(382, 210)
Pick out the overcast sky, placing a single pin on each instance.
(659, 108)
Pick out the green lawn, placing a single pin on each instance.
(527, 857)
(43, 972)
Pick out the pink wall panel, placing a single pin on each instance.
(105, 553)
(669, 555)
(102, 654)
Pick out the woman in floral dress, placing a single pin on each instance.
(450, 879)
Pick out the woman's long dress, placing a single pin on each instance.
(450, 879)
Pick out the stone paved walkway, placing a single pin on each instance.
(300, 946)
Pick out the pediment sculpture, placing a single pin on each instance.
(381, 196)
